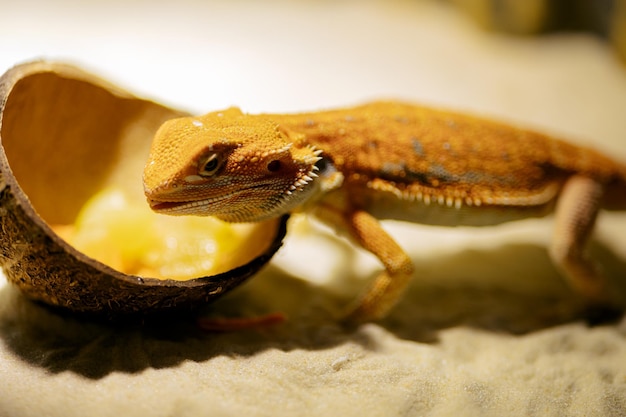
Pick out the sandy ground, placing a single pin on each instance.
(488, 326)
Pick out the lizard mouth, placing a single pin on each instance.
(184, 207)
(176, 207)
(165, 205)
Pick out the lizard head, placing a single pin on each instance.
(236, 167)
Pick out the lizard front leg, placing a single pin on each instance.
(575, 215)
(388, 287)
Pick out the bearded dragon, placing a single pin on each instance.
(385, 160)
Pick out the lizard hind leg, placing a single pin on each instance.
(575, 215)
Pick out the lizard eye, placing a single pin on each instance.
(210, 165)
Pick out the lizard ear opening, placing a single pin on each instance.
(274, 165)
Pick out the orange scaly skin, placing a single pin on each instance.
(351, 167)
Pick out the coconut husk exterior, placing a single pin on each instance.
(63, 133)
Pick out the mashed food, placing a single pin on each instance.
(126, 235)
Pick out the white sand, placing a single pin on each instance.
(488, 327)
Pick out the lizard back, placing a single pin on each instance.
(416, 152)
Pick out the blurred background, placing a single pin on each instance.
(290, 55)
(605, 18)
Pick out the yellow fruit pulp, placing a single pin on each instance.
(127, 236)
